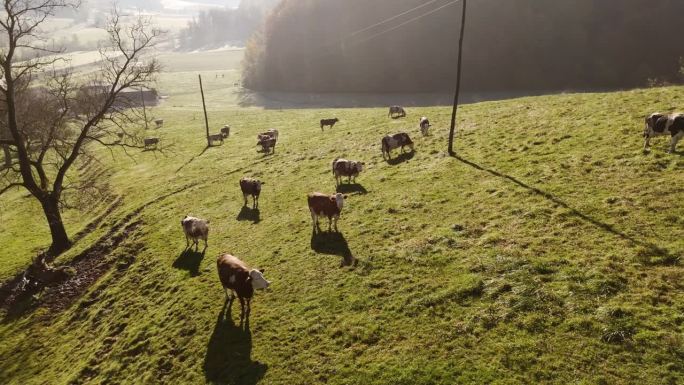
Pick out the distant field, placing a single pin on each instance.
(548, 252)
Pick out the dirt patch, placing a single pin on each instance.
(17, 294)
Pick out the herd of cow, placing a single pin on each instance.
(240, 281)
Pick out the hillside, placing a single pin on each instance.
(548, 252)
(509, 46)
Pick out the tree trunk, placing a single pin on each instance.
(8, 156)
(60, 240)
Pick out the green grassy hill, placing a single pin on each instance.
(548, 252)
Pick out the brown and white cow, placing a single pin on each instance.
(658, 124)
(239, 279)
(424, 125)
(195, 229)
(348, 168)
(396, 111)
(267, 144)
(390, 142)
(251, 186)
(325, 205)
(328, 122)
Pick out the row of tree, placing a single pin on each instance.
(218, 27)
(510, 46)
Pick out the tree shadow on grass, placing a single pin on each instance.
(332, 243)
(228, 359)
(189, 260)
(193, 158)
(249, 214)
(350, 188)
(650, 248)
(401, 158)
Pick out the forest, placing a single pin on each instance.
(218, 27)
(509, 46)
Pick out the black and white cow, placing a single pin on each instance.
(658, 124)
(348, 168)
(424, 125)
(390, 142)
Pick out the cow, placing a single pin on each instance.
(195, 229)
(396, 112)
(225, 131)
(348, 168)
(251, 186)
(328, 122)
(389, 143)
(424, 125)
(159, 123)
(215, 138)
(267, 144)
(325, 205)
(239, 279)
(120, 135)
(658, 124)
(271, 133)
(150, 143)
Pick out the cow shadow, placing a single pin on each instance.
(228, 359)
(189, 260)
(332, 243)
(350, 188)
(401, 158)
(249, 214)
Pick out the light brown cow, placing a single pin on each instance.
(251, 186)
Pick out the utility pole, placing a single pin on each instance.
(458, 81)
(142, 98)
(206, 120)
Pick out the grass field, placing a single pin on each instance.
(549, 251)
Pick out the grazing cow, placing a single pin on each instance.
(325, 205)
(658, 124)
(238, 279)
(120, 135)
(159, 122)
(225, 131)
(151, 142)
(196, 229)
(424, 125)
(389, 143)
(215, 138)
(328, 122)
(267, 144)
(348, 168)
(251, 186)
(396, 111)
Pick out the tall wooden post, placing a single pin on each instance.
(206, 120)
(458, 81)
(142, 98)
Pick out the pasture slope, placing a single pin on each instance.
(548, 252)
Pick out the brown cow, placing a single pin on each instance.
(267, 144)
(325, 205)
(328, 122)
(237, 278)
(251, 186)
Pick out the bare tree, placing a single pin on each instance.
(54, 117)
